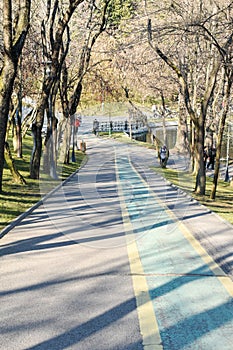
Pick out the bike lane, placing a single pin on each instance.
(184, 299)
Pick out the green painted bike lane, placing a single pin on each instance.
(190, 296)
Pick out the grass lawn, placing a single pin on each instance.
(222, 205)
(16, 199)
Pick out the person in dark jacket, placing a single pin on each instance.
(211, 157)
(163, 156)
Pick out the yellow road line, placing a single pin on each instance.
(218, 272)
(147, 319)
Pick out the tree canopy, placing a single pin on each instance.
(65, 53)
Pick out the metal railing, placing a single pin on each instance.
(119, 126)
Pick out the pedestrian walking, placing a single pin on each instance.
(96, 127)
(163, 156)
(211, 157)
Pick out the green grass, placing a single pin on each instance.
(16, 199)
(222, 205)
(120, 136)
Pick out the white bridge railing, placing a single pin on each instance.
(122, 126)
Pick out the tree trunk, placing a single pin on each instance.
(18, 116)
(64, 156)
(226, 102)
(69, 109)
(47, 146)
(199, 155)
(17, 138)
(6, 81)
(13, 42)
(56, 22)
(164, 119)
(182, 144)
(17, 177)
(53, 149)
(37, 141)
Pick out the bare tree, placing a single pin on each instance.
(57, 23)
(227, 88)
(95, 24)
(200, 30)
(15, 19)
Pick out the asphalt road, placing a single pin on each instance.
(117, 258)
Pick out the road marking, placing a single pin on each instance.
(147, 320)
(218, 272)
(171, 317)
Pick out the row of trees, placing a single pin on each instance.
(13, 39)
(202, 62)
(53, 56)
(185, 49)
(170, 50)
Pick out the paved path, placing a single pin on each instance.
(117, 258)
